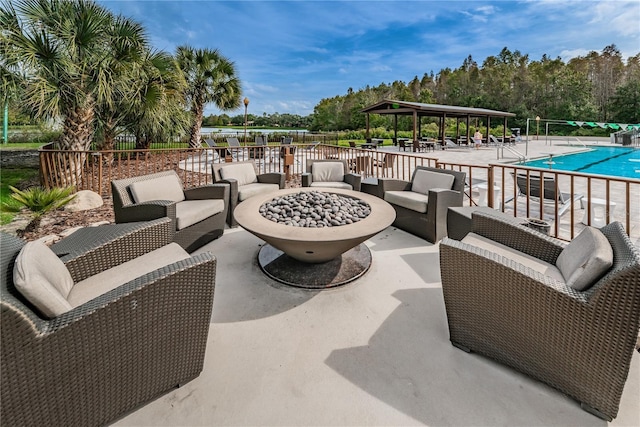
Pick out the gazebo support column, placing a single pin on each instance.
(415, 124)
(367, 133)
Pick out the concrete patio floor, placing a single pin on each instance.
(374, 352)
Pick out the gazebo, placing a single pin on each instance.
(419, 110)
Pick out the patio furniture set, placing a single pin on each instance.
(110, 318)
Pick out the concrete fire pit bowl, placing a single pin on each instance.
(315, 257)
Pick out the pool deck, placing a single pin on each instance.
(375, 352)
(541, 148)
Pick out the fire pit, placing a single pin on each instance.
(314, 236)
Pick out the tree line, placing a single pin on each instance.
(599, 87)
(284, 120)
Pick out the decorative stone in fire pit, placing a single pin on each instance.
(314, 235)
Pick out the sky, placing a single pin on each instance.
(289, 55)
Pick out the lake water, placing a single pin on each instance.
(250, 130)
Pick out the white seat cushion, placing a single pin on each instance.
(103, 282)
(43, 279)
(166, 187)
(251, 190)
(585, 259)
(408, 199)
(191, 212)
(517, 256)
(327, 172)
(330, 184)
(424, 180)
(244, 173)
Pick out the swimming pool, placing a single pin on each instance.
(612, 161)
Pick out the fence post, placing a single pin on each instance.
(490, 186)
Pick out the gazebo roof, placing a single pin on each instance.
(389, 106)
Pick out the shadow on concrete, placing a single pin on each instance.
(410, 365)
(392, 238)
(243, 292)
(426, 265)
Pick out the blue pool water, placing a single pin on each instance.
(612, 161)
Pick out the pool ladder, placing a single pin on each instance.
(521, 157)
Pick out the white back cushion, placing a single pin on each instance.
(244, 173)
(327, 171)
(43, 279)
(585, 259)
(423, 181)
(162, 188)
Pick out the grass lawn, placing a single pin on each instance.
(13, 175)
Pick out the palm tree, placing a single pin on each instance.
(72, 53)
(211, 78)
(149, 102)
(156, 109)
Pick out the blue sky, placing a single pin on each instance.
(291, 54)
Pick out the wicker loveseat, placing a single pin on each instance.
(505, 307)
(198, 214)
(105, 357)
(421, 204)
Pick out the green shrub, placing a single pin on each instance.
(38, 201)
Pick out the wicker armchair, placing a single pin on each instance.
(348, 181)
(210, 201)
(579, 342)
(244, 182)
(105, 357)
(424, 215)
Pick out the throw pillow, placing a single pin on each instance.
(585, 259)
(43, 279)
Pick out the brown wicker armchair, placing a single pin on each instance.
(423, 211)
(244, 182)
(198, 214)
(579, 342)
(103, 358)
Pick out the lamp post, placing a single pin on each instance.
(246, 105)
(537, 127)
(5, 123)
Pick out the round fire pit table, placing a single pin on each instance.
(314, 257)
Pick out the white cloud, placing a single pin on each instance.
(566, 55)
(379, 68)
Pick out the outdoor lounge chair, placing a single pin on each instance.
(450, 144)
(197, 214)
(113, 350)
(235, 149)
(244, 182)
(421, 204)
(530, 185)
(330, 173)
(210, 155)
(542, 307)
(387, 162)
(259, 151)
(495, 141)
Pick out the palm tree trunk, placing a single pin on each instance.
(75, 139)
(198, 113)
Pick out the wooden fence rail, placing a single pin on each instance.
(493, 185)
